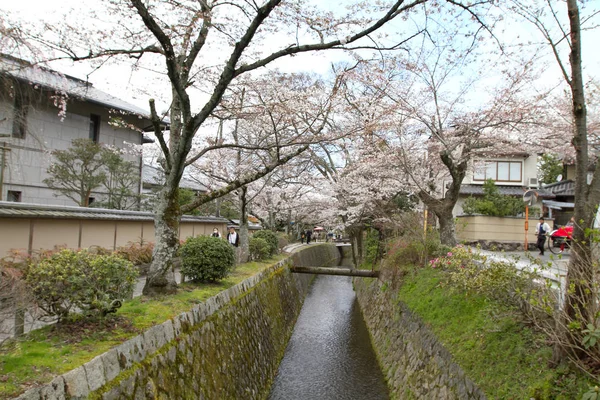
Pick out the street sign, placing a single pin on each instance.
(529, 197)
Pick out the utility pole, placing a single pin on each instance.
(4, 149)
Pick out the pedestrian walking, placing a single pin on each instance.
(541, 230)
(308, 235)
(233, 237)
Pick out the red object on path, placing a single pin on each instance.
(563, 231)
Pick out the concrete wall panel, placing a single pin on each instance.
(48, 233)
(14, 234)
(128, 232)
(98, 233)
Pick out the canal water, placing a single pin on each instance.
(329, 355)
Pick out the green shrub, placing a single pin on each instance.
(501, 281)
(270, 238)
(259, 249)
(137, 252)
(68, 280)
(413, 251)
(206, 259)
(282, 240)
(493, 203)
(371, 246)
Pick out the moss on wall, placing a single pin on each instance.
(414, 362)
(226, 348)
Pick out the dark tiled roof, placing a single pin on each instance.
(74, 87)
(26, 210)
(563, 188)
(235, 223)
(477, 190)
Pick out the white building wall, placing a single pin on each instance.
(29, 158)
(529, 170)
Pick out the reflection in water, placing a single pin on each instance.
(329, 355)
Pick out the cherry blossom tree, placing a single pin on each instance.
(561, 29)
(443, 111)
(204, 46)
(267, 114)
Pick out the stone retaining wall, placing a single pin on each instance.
(228, 347)
(414, 363)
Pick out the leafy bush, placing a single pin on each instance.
(68, 280)
(137, 252)
(413, 251)
(493, 203)
(259, 248)
(371, 246)
(270, 238)
(501, 281)
(205, 258)
(282, 240)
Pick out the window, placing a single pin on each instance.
(21, 108)
(91, 200)
(94, 128)
(14, 196)
(500, 171)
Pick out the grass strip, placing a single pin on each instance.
(504, 357)
(39, 356)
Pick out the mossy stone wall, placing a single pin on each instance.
(413, 361)
(228, 347)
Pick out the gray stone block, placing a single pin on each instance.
(55, 390)
(176, 325)
(112, 394)
(94, 371)
(154, 339)
(76, 385)
(110, 363)
(168, 330)
(127, 386)
(129, 352)
(31, 394)
(137, 348)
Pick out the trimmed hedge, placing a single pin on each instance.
(206, 259)
(259, 249)
(270, 238)
(95, 284)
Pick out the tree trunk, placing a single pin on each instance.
(356, 239)
(161, 277)
(244, 249)
(288, 223)
(447, 227)
(271, 212)
(218, 207)
(443, 207)
(580, 304)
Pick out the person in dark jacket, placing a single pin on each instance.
(308, 235)
(542, 230)
(233, 237)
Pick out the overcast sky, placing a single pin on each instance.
(122, 83)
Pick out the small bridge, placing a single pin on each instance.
(343, 271)
(364, 273)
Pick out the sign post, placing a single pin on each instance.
(528, 198)
(425, 223)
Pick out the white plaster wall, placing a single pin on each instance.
(29, 158)
(529, 171)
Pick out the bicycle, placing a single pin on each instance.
(559, 240)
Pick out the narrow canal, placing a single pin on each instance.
(329, 355)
